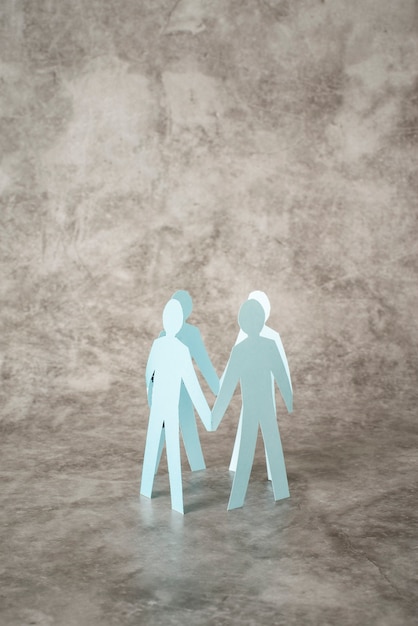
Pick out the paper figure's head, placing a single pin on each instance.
(262, 298)
(185, 300)
(172, 317)
(251, 317)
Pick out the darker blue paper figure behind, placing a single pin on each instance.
(191, 337)
(252, 363)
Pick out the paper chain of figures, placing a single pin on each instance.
(256, 361)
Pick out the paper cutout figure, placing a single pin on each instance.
(268, 332)
(253, 361)
(170, 365)
(191, 337)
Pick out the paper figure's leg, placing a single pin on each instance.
(160, 448)
(172, 440)
(151, 454)
(246, 452)
(234, 457)
(265, 450)
(189, 432)
(274, 451)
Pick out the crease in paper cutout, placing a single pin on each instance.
(252, 363)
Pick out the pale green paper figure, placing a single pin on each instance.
(191, 337)
(253, 362)
(269, 333)
(170, 365)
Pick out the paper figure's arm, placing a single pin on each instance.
(230, 379)
(195, 392)
(279, 344)
(200, 355)
(240, 337)
(282, 380)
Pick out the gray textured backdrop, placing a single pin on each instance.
(219, 147)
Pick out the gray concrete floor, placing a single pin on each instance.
(80, 547)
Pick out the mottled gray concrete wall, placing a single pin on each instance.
(218, 147)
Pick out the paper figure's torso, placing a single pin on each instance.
(255, 358)
(168, 357)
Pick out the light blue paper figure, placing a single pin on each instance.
(191, 337)
(170, 365)
(269, 333)
(253, 361)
